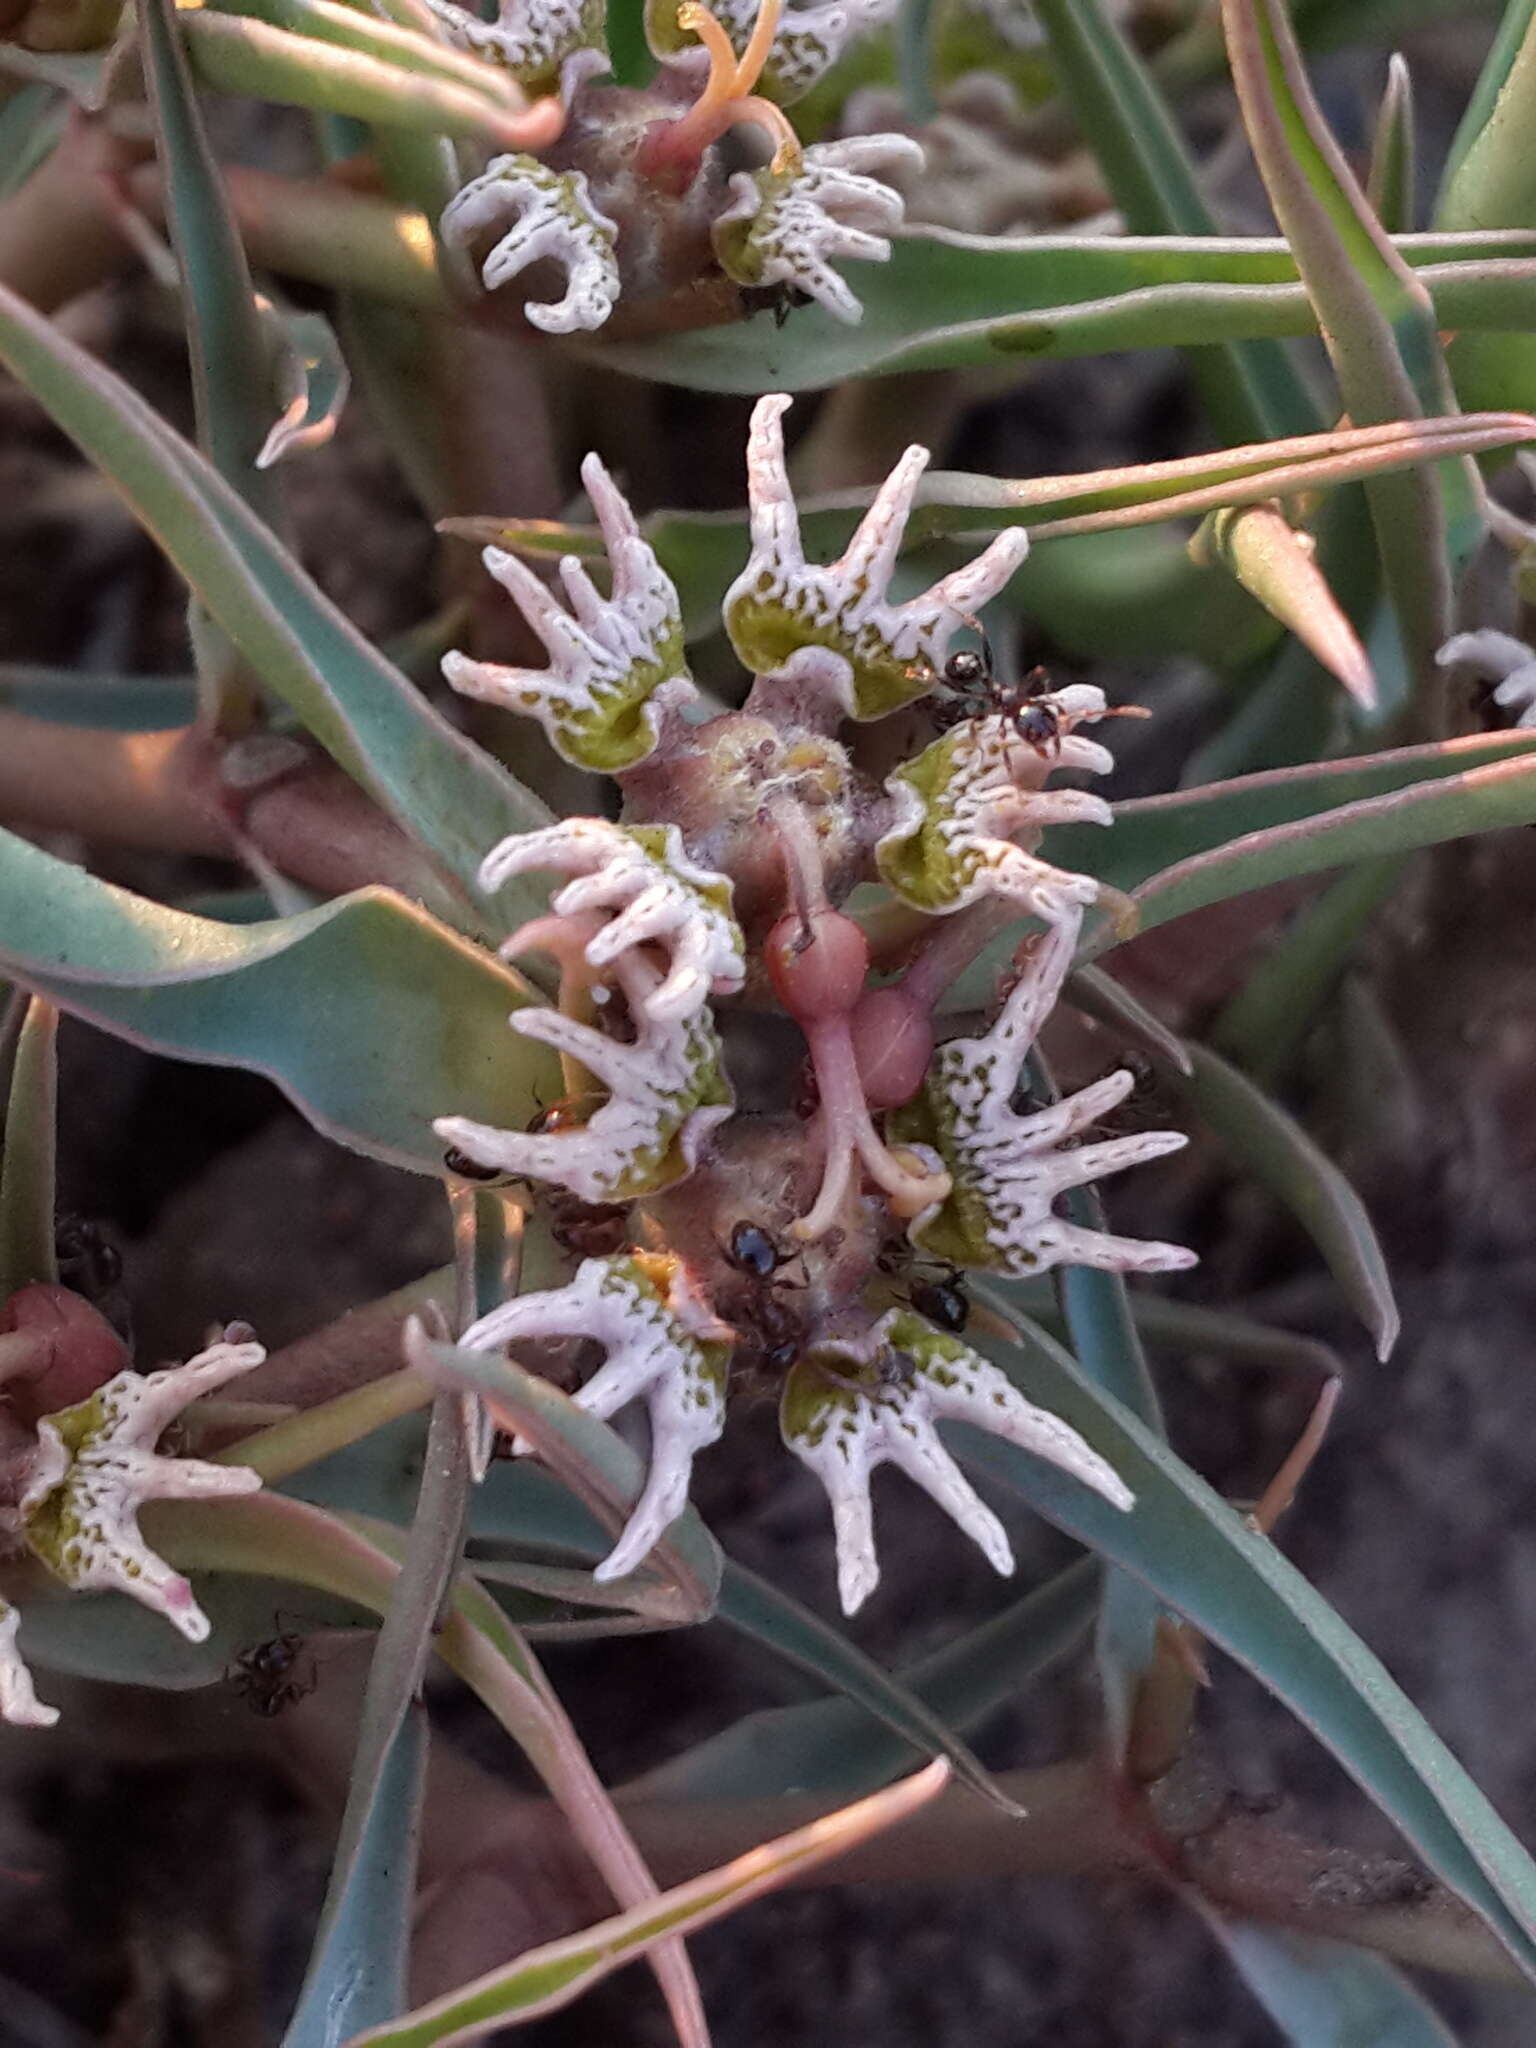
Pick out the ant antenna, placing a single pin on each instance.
(970, 619)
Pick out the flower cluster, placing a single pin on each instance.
(720, 889)
(90, 1469)
(634, 193)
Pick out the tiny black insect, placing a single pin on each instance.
(268, 1676)
(559, 1116)
(943, 1301)
(462, 1167)
(778, 299)
(88, 1263)
(1027, 706)
(752, 1251)
(771, 1328)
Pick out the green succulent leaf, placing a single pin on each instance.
(521, 1510)
(1202, 845)
(1249, 389)
(27, 1145)
(392, 41)
(1453, 805)
(835, 1746)
(1376, 317)
(547, 1978)
(357, 1966)
(454, 799)
(371, 1016)
(108, 1637)
(1486, 163)
(311, 378)
(1188, 1327)
(226, 342)
(1276, 563)
(1268, 1143)
(1322, 1994)
(298, 70)
(1198, 1556)
(32, 119)
(357, 1973)
(1179, 852)
(757, 1609)
(593, 1462)
(1107, 1343)
(113, 703)
(267, 1536)
(1391, 182)
(1038, 298)
(1266, 1022)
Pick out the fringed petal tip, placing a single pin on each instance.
(902, 1381)
(663, 1346)
(540, 214)
(791, 224)
(780, 603)
(96, 1465)
(616, 663)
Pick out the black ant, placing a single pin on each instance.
(89, 1264)
(1026, 705)
(780, 300)
(943, 1301)
(940, 1298)
(462, 1167)
(771, 1323)
(585, 1230)
(267, 1677)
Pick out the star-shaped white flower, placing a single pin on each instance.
(664, 1345)
(789, 224)
(657, 897)
(1502, 659)
(666, 1093)
(901, 1381)
(961, 805)
(808, 38)
(547, 45)
(19, 1703)
(546, 213)
(96, 1465)
(1007, 1170)
(616, 664)
(871, 654)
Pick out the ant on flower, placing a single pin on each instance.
(1033, 712)
(978, 693)
(772, 1324)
